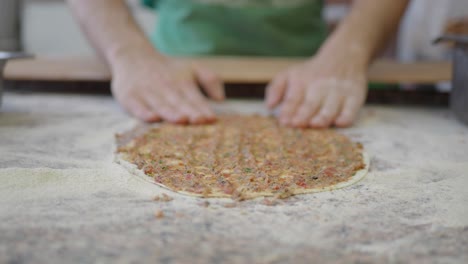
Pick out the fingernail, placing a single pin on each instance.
(297, 120)
(196, 120)
(298, 123)
(315, 122)
(181, 119)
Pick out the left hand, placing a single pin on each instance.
(319, 93)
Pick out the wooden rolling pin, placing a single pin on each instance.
(230, 69)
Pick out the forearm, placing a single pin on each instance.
(365, 30)
(111, 29)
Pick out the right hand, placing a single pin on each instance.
(154, 88)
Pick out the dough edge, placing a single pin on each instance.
(140, 175)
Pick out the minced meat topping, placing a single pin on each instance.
(241, 155)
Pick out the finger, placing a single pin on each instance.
(200, 110)
(210, 83)
(275, 90)
(349, 112)
(292, 101)
(188, 105)
(140, 110)
(165, 109)
(328, 112)
(309, 107)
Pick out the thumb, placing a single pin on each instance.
(210, 83)
(276, 90)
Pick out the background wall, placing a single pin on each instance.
(9, 24)
(48, 27)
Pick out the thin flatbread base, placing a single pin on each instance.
(139, 174)
(149, 145)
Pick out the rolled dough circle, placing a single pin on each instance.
(291, 186)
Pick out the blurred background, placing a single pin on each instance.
(47, 27)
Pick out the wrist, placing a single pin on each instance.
(132, 54)
(351, 52)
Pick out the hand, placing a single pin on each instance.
(319, 93)
(154, 88)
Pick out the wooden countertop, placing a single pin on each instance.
(230, 69)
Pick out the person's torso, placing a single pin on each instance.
(239, 27)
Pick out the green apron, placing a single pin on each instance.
(238, 27)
